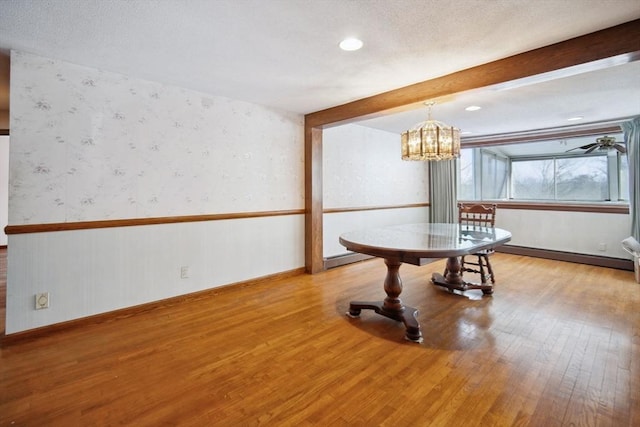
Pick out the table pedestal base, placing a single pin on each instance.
(392, 306)
(408, 316)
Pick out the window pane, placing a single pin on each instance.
(466, 183)
(624, 177)
(582, 178)
(488, 175)
(494, 176)
(501, 178)
(532, 179)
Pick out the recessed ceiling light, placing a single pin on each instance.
(473, 108)
(350, 44)
(576, 118)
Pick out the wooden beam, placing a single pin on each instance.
(623, 39)
(614, 41)
(314, 261)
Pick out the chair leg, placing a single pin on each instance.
(483, 278)
(491, 276)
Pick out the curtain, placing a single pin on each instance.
(443, 191)
(631, 131)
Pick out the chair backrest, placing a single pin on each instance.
(477, 214)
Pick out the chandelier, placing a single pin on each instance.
(431, 140)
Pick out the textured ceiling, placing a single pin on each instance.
(284, 53)
(601, 95)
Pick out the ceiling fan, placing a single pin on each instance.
(602, 143)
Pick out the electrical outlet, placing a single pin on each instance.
(602, 247)
(42, 300)
(184, 272)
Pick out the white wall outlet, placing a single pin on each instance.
(42, 300)
(602, 247)
(184, 272)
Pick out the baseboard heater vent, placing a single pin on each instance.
(600, 261)
(350, 258)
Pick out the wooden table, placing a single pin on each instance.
(419, 244)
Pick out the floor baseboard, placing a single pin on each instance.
(597, 260)
(600, 261)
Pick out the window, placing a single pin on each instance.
(532, 179)
(494, 173)
(466, 189)
(543, 171)
(492, 167)
(623, 177)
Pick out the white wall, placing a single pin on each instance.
(362, 168)
(4, 187)
(577, 232)
(93, 145)
(337, 223)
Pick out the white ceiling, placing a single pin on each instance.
(598, 96)
(284, 53)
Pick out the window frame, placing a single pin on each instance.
(613, 207)
(613, 165)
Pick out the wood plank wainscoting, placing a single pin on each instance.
(557, 344)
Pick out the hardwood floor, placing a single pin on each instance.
(558, 344)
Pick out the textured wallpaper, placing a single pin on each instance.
(93, 145)
(363, 167)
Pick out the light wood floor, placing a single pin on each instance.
(558, 344)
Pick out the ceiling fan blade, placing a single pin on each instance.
(591, 149)
(584, 147)
(620, 148)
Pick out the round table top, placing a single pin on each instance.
(424, 240)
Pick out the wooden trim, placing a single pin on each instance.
(115, 315)
(618, 40)
(563, 207)
(345, 259)
(600, 261)
(87, 225)
(531, 206)
(4, 132)
(375, 208)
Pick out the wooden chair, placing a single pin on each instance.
(482, 216)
